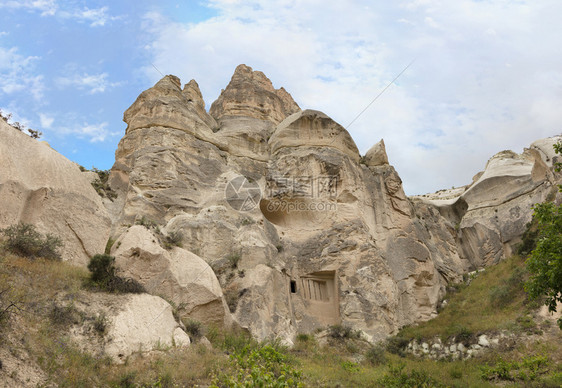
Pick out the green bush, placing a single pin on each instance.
(545, 261)
(304, 337)
(343, 332)
(102, 275)
(375, 355)
(259, 365)
(194, 329)
(398, 378)
(102, 268)
(501, 371)
(173, 239)
(396, 345)
(24, 240)
(146, 222)
(101, 184)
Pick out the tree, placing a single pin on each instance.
(545, 261)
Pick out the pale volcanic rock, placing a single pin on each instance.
(491, 214)
(311, 128)
(544, 146)
(195, 99)
(251, 94)
(178, 275)
(165, 105)
(334, 239)
(142, 323)
(376, 156)
(41, 187)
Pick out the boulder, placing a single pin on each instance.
(41, 187)
(178, 275)
(142, 323)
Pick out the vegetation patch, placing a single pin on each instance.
(103, 277)
(173, 239)
(260, 365)
(493, 301)
(101, 185)
(398, 377)
(24, 240)
(342, 332)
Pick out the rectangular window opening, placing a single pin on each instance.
(293, 287)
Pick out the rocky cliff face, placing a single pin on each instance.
(264, 216)
(41, 187)
(299, 231)
(491, 214)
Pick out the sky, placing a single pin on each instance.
(485, 75)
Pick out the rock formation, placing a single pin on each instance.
(183, 278)
(261, 215)
(40, 186)
(131, 323)
(492, 213)
(142, 323)
(331, 240)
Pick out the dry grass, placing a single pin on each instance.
(342, 363)
(473, 308)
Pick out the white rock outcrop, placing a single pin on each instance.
(180, 276)
(39, 186)
(142, 323)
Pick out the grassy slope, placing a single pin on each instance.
(494, 300)
(35, 335)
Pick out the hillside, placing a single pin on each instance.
(39, 346)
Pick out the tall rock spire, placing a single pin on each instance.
(251, 94)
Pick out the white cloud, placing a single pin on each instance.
(94, 16)
(45, 7)
(46, 121)
(94, 133)
(452, 110)
(17, 74)
(97, 17)
(94, 83)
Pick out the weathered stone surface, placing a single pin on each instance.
(251, 94)
(314, 191)
(545, 149)
(165, 105)
(499, 205)
(333, 240)
(178, 275)
(491, 214)
(142, 323)
(376, 156)
(311, 128)
(41, 187)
